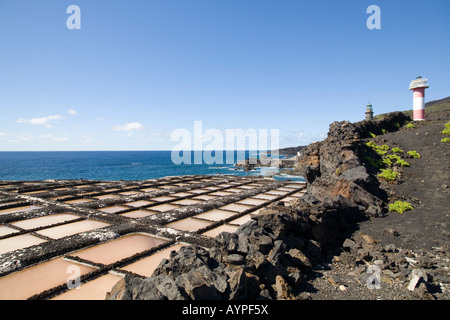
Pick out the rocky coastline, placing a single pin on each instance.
(304, 250)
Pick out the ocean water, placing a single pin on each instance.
(116, 165)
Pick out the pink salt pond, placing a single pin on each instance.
(149, 189)
(252, 201)
(106, 196)
(138, 214)
(199, 191)
(4, 231)
(181, 194)
(204, 197)
(236, 207)
(285, 189)
(186, 202)
(300, 185)
(234, 190)
(45, 221)
(223, 228)
(240, 221)
(83, 186)
(163, 198)
(221, 193)
(19, 242)
(164, 207)
(265, 196)
(69, 229)
(298, 194)
(113, 209)
(289, 199)
(23, 284)
(246, 187)
(118, 249)
(140, 203)
(92, 290)
(35, 192)
(216, 215)
(212, 188)
(277, 192)
(146, 266)
(189, 224)
(19, 209)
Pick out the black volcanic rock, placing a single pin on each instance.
(266, 257)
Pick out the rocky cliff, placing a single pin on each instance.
(268, 257)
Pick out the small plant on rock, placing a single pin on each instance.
(387, 162)
(446, 131)
(414, 154)
(400, 206)
(371, 144)
(397, 150)
(388, 174)
(393, 157)
(410, 126)
(402, 163)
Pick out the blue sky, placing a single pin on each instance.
(138, 70)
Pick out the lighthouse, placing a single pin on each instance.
(369, 112)
(418, 87)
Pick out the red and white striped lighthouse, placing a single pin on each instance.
(418, 87)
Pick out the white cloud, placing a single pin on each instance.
(24, 137)
(72, 112)
(40, 121)
(53, 138)
(2, 134)
(129, 127)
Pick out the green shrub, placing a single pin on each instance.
(447, 124)
(393, 157)
(372, 135)
(381, 150)
(383, 130)
(397, 125)
(445, 140)
(446, 131)
(414, 154)
(400, 206)
(388, 174)
(410, 126)
(387, 162)
(397, 150)
(371, 144)
(402, 163)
